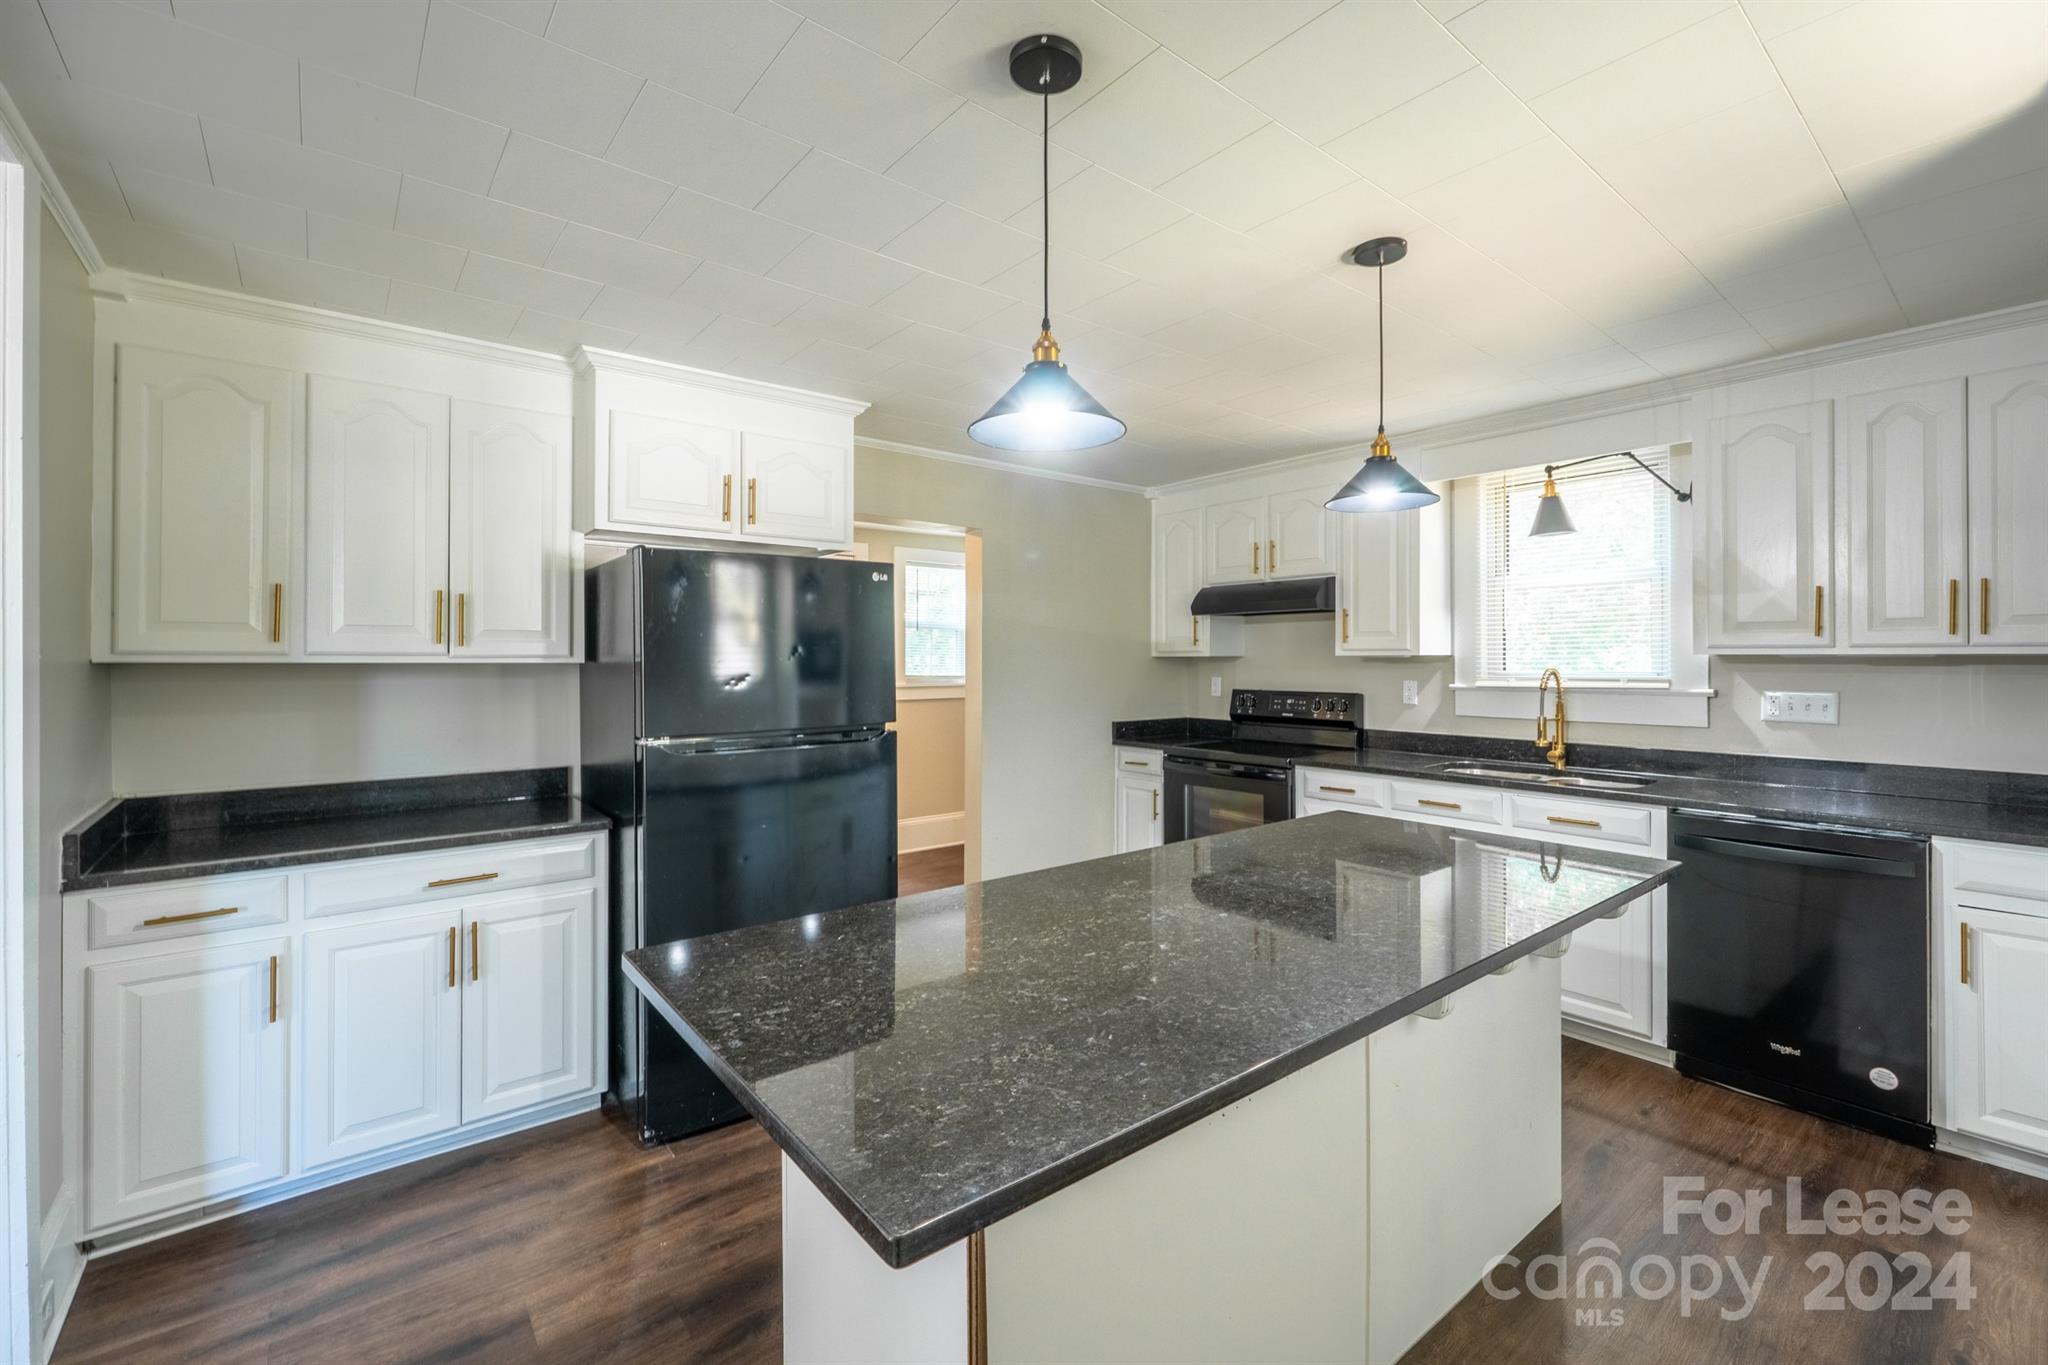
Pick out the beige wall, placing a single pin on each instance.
(1066, 593)
(931, 732)
(1957, 713)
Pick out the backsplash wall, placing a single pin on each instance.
(1952, 713)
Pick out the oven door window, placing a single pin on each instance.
(1201, 800)
(1214, 810)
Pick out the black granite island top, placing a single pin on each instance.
(937, 1062)
(161, 838)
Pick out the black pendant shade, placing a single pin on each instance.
(1381, 484)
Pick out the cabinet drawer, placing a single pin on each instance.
(1340, 788)
(1548, 815)
(1138, 760)
(1994, 876)
(1447, 800)
(419, 877)
(212, 905)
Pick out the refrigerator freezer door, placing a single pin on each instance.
(759, 644)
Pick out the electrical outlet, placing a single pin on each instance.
(1411, 692)
(1802, 708)
(1215, 686)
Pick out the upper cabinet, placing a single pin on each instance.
(2008, 463)
(1393, 581)
(665, 451)
(1767, 487)
(1178, 548)
(1906, 516)
(1289, 534)
(1233, 540)
(511, 555)
(201, 485)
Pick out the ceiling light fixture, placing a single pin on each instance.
(1553, 520)
(1046, 409)
(1381, 485)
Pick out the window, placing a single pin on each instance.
(931, 608)
(1595, 605)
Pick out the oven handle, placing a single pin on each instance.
(1798, 857)
(1231, 769)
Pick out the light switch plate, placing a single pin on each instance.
(1803, 708)
(1411, 692)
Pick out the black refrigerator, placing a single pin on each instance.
(734, 728)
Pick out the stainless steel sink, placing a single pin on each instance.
(1536, 772)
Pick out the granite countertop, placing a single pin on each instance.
(1938, 802)
(164, 838)
(937, 1062)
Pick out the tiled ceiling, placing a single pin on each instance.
(843, 194)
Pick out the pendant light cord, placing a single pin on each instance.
(1045, 210)
(1383, 340)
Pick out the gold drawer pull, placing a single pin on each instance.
(273, 988)
(462, 619)
(1341, 791)
(472, 951)
(463, 881)
(1155, 803)
(451, 957)
(1572, 820)
(1983, 606)
(276, 613)
(1966, 952)
(1819, 596)
(189, 916)
(1955, 589)
(1440, 805)
(1136, 763)
(440, 612)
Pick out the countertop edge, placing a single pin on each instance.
(915, 1244)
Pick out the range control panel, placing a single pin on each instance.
(1323, 708)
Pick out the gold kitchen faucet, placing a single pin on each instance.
(1550, 730)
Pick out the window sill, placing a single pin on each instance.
(930, 691)
(1592, 703)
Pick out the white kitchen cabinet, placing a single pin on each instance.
(1996, 1053)
(528, 1019)
(670, 474)
(2008, 459)
(511, 557)
(1233, 541)
(186, 1096)
(1177, 550)
(383, 1035)
(1767, 490)
(203, 463)
(1394, 582)
(796, 490)
(1907, 517)
(1301, 533)
(1140, 792)
(376, 519)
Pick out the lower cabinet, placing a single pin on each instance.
(1991, 974)
(528, 1007)
(1140, 800)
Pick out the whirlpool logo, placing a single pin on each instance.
(1786, 1051)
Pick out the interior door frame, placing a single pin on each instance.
(15, 892)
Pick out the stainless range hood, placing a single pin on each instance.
(1278, 597)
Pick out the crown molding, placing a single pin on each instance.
(15, 129)
(124, 286)
(1659, 391)
(588, 359)
(983, 462)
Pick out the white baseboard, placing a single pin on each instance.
(1991, 1153)
(60, 1266)
(920, 832)
(1641, 1048)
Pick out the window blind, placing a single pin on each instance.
(934, 622)
(1595, 605)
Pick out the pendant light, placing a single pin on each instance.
(1381, 485)
(1046, 409)
(1553, 520)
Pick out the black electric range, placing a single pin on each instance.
(1214, 786)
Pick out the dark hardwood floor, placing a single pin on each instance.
(929, 869)
(573, 1243)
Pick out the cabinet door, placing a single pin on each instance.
(1609, 975)
(1907, 517)
(383, 1035)
(185, 1095)
(1997, 1045)
(1376, 597)
(376, 519)
(1769, 545)
(202, 505)
(2009, 507)
(1234, 541)
(1139, 823)
(671, 474)
(795, 490)
(511, 559)
(529, 1030)
(1176, 578)
(1301, 534)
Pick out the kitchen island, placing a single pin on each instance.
(1277, 1094)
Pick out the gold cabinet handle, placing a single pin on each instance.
(277, 613)
(1255, 556)
(1136, 763)
(1346, 614)
(472, 951)
(752, 504)
(189, 916)
(1440, 805)
(1196, 622)
(462, 881)
(1983, 606)
(462, 618)
(1272, 555)
(273, 988)
(1155, 803)
(451, 957)
(1955, 589)
(1966, 952)
(1819, 596)
(1572, 820)
(1341, 791)
(725, 506)
(440, 612)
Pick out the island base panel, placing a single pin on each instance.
(1334, 1215)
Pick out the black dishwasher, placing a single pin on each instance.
(1798, 967)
